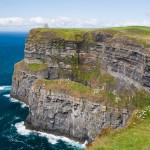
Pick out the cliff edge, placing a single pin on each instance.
(80, 81)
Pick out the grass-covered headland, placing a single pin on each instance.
(138, 34)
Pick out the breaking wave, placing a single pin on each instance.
(5, 88)
(21, 129)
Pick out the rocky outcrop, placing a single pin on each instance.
(81, 59)
(23, 79)
(58, 112)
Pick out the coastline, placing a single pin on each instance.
(28, 126)
(54, 132)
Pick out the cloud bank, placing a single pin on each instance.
(63, 22)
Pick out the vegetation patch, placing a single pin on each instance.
(137, 34)
(33, 67)
(54, 34)
(72, 88)
(37, 67)
(140, 34)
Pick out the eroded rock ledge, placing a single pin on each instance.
(107, 62)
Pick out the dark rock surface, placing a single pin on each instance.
(57, 112)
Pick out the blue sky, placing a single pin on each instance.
(26, 14)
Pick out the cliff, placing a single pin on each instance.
(57, 109)
(79, 81)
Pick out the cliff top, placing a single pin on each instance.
(139, 34)
(58, 33)
(78, 90)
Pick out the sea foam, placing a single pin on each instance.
(21, 129)
(7, 95)
(5, 88)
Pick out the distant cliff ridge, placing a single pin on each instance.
(79, 81)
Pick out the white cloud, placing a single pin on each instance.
(128, 23)
(12, 21)
(38, 20)
(64, 22)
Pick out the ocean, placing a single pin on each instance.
(13, 134)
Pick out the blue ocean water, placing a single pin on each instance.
(13, 135)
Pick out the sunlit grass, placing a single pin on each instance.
(37, 67)
(138, 34)
(32, 67)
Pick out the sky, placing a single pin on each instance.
(23, 15)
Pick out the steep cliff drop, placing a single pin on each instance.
(78, 82)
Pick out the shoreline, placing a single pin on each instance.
(54, 132)
(28, 126)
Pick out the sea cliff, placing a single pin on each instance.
(80, 81)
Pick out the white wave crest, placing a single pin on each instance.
(23, 105)
(5, 88)
(7, 95)
(14, 100)
(51, 138)
(21, 129)
(54, 139)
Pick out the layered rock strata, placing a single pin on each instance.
(55, 111)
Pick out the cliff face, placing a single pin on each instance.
(118, 55)
(58, 112)
(23, 79)
(89, 58)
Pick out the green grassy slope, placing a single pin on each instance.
(139, 34)
(58, 33)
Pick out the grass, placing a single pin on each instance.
(37, 67)
(33, 67)
(72, 88)
(52, 34)
(76, 89)
(139, 34)
(136, 135)
(134, 30)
